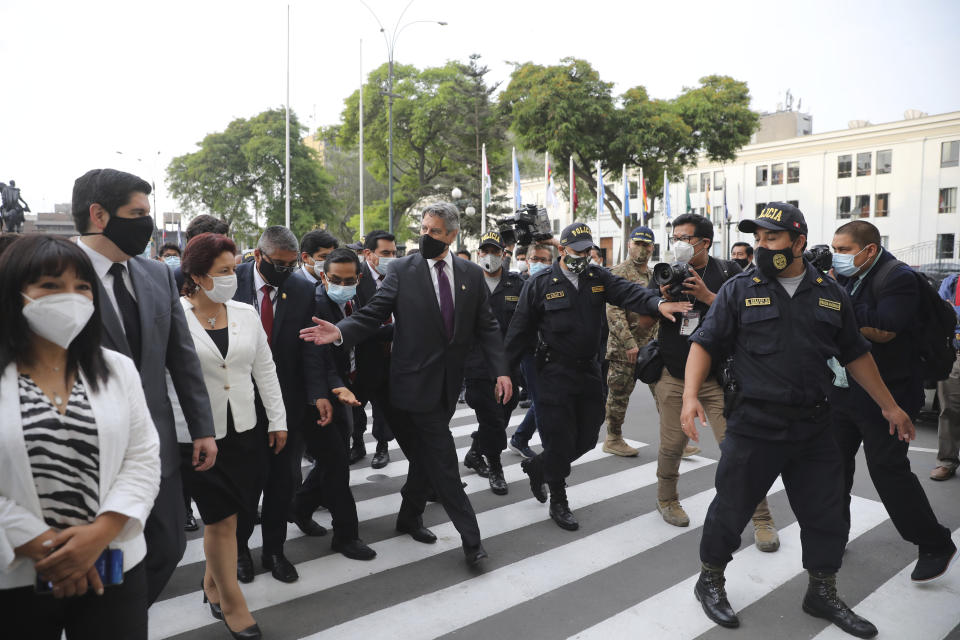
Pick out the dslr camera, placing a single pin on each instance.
(527, 225)
(672, 276)
(820, 256)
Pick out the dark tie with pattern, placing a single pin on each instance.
(266, 312)
(446, 298)
(127, 307)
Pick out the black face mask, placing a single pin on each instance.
(743, 262)
(131, 235)
(271, 274)
(771, 263)
(430, 247)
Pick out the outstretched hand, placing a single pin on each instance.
(324, 333)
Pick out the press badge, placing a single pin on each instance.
(689, 323)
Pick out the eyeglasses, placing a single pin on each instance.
(539, 259)
(349, 282)
(683, 238)
(284, 268)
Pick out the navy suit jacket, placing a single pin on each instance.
(300, 365)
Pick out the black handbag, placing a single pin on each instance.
(649, 365)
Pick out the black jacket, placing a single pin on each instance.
(503, 303)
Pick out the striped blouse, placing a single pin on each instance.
(64, 453)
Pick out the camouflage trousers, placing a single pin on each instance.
(621, 383)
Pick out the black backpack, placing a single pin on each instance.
(937, 321)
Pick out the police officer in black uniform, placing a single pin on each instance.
(564, 307)
(490, 438)
(781, 323)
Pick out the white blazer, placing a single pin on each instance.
(229, 379)
(129, 467)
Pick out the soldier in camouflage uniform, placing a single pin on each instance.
(629, 332)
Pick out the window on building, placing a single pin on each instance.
(793, 172)
(704, 182)
(881, 207)
(701, 211)
(633, 185)
(843, 166)
(843, 207)
(885, 242)
(776, 173)
(884, 161)
(760, 207)
(861, 207)
(950, 153)
(948, 201)
(692, 183)
(762, 175)
(717, 180)
(863, 163)
(795, 203)
(945, 242)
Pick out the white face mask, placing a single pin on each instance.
(521, 265)
(382, 265)
(58, 317)
(490, 262)
(683, 251)
(223, 288)
(317, 268)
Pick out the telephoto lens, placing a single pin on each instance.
(671, 276)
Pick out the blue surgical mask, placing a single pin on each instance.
(537, 267)
(843, 263)
(172, 261)
(341, 294)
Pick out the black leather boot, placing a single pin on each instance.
(534, 470)
(474, 460)
(712, 595)
(498, 484)
(822, 601)
(559, 509)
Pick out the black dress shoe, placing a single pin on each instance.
(250, 633)
(561, 514)
(498, 483)
(215, 609)
(538, 485)
(353, 549)
(382, 457)
(473, 460)
(280, 568)
(822, 601)
(712, 596)
(358, 451)
(310, 527)
(190, 524)
(244, 566)
(418, 532)
(474, 555)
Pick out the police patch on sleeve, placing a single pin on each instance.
(830, 304)
(758, 302)
(556, 294)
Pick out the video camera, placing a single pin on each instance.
(672, 276)
(820, 256)
(527, 225)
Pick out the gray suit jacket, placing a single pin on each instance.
(166, 346)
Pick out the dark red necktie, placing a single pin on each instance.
(348, 308)
(266, 312)
(446, 298)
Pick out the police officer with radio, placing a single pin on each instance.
(561, 311)
(490, 439)
(781, 323)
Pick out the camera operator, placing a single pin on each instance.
(885, 299)
(564, 307)
(693, 237)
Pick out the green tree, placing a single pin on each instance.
(238, 174)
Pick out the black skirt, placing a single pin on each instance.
(231, 484)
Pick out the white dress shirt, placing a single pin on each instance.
(377, 276)
(308, 273)
(102, 264)
(449, 269)
(258, 283)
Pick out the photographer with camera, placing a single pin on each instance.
(561, 311)
(694, 277)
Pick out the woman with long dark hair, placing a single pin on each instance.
(79, 455)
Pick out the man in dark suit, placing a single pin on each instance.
(285, 305)
(373, 355)
(143, 319)
(885, 298)
(440, 308)
(328, 483)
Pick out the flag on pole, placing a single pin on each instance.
(517, 198)
(726, 212)
(708, 202)
(551, 197)
(599, 195)
(574, 200)
(644, 209)
(626, 200)
(179, 239)
(739, 203)
(666, 195)
(485, 192)
(687, 188)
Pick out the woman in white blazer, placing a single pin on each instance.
(234, 353)
(79, 455)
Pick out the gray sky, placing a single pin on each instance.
(150, 79)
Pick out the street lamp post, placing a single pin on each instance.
(391, 41)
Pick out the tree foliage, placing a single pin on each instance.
(238, 174)
(569, 111)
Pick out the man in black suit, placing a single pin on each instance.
(285, 305)
(143, 319)
(440, 308)
(328, 483)
(373, 355)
